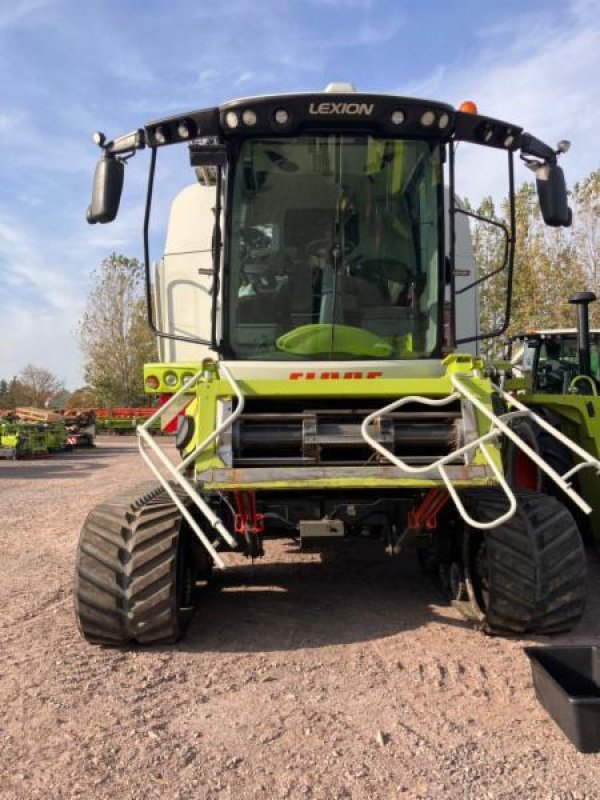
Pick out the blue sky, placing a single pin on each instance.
(68, 68)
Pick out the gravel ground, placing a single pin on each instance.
(298, 678)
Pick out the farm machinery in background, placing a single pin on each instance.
(556, 373)
(121, 420)
(36, 432)
(317, 316)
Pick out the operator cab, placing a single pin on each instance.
(551, 358)
(330, 233)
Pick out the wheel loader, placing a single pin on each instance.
(317, 318)
(557, 374)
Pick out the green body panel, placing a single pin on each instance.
(56, 437)
(24, 438)
(210, 390)
(579, 420)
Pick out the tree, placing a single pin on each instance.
(586, 231)
(84, 397)
(114, 334)
(550, 263)
(34, 385)
(3, 393)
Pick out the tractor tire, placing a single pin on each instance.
(134, 576)
(522, 473)
(528, 574)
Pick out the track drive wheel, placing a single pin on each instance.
(528, 574)
(135, 575)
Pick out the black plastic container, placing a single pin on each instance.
(567, 684)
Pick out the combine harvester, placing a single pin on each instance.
(317, 315)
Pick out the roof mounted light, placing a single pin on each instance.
(468, 107)
(249, 117)
(443, 121)
(281, 116)
(398, 117)
(563, 146)
(99, 138)
(186, 129)
(509, 138)
(341, 87)
(162, 134)
(232, 120)
(487, 133)
(427, 118)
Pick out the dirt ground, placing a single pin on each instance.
(296, 679)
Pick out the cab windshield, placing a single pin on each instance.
(334, 249)
(558, 362)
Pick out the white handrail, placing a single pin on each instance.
(529, 451)
(227, 423)
(440, 463)
(145, 438)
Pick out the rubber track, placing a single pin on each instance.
(536, 563)
(125, 575)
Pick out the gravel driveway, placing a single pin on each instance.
(298, 678)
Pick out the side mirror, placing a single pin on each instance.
(106, 190)
(552, 194)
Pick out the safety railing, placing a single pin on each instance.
(146, 442)
(499, 427)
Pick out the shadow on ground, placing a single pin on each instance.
(293, 605)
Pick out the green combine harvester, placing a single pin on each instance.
(316, 311)
(559, 377)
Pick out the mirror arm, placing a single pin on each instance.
(530, 146)
(125, 145)
(147, 268)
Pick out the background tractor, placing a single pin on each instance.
(317, 316)
(558, 376)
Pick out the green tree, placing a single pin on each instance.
(114, 335)
(3, 393)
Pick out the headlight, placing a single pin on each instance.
(171, 379)
(232, 120)
(185, 129)
(162, 134)
(152, 382)
(427, 119)
(281, 116)
(249, 117)
(397, 117)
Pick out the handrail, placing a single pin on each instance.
(227, 423)
(498, 427)
(145, 438)
(529, 452)
(441, 462)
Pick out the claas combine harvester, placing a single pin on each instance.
(317, 317)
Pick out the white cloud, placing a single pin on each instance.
(25, 12)
(545, 79)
